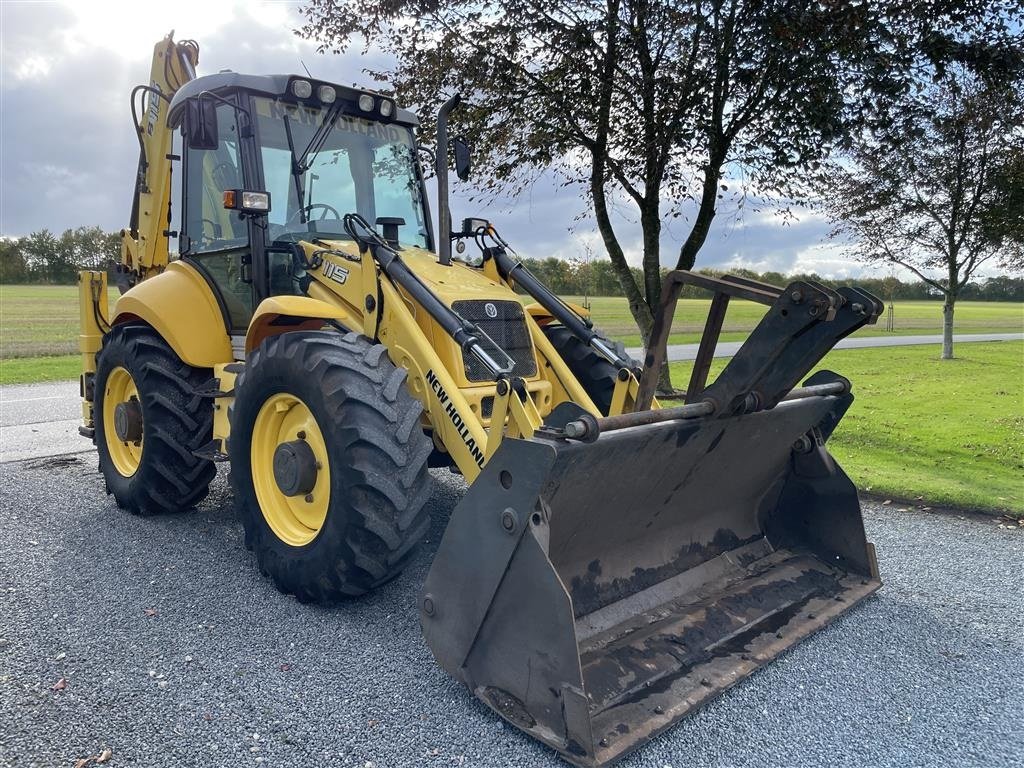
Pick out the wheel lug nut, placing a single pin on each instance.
(309, 498)
(302, 434)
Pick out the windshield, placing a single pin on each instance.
(319, 165)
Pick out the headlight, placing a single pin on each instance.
(247, 200)
(327, 94)
(386, 108)
(366, 102)
(301, 89)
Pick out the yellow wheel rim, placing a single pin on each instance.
(295, 520)
(126, 455)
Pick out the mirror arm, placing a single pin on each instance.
(444, 215)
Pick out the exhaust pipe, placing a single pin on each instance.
(444, 214)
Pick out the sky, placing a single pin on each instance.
(68, 153)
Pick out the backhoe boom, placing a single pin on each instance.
(144, 245)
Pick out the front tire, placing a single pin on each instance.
(595, 374)
(144, 389)
(328, 464)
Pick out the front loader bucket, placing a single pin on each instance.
(592, 594)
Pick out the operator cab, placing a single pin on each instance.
(272, 160)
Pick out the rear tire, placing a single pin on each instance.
(372, 455)
(167, 477)
(595, 374)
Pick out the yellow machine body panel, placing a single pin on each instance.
(179, 304)
(458, 409)
(543, 317)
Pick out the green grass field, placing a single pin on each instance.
(41, 321)
(911, 317)
(950, 431)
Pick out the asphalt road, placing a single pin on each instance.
(42, 419)
(228, 672)
(677, 352)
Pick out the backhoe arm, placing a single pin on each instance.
(144, 249)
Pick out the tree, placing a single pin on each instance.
(643, 102)
(934, 188)
(38, 249)
(12, 262)
(42, 257)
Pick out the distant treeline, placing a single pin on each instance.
(43, 257)
(596, 278)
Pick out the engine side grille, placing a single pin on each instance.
(508, 330)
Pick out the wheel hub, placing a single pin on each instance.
(128, 421)
(295, 468)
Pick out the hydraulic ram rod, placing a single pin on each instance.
(449, 320)
(514, 271)
(585, 429)
(463, 332)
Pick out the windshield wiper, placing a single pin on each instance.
(297, 169)
(316, 142)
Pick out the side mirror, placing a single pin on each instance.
(201, 123)
(471, 226)
(463, 165)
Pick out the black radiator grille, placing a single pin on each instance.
(508, 330)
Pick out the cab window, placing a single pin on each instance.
(217, 239)
(208, 224)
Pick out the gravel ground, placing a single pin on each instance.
(227, 672)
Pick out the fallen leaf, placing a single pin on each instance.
(150, 611)
(102, 757)
(60, 685)
(60, 656)
(285, 667)
(887, 501)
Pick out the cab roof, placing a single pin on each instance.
(278, 86)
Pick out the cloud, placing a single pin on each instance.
(67, 148)
(68, 151)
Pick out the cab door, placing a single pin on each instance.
(214, 239)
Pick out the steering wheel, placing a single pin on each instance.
(214, 227)
(309, 209)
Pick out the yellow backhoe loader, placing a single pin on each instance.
(614, 563)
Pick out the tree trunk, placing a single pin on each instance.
(705, 214)
(650, 221)
(947, 326)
